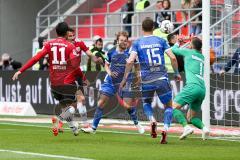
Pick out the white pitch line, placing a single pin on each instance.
(44, 155)
(118, 132)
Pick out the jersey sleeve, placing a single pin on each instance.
(134, 48)
(36, 58)
(83, 46)
(179, 51)
(109, 57)
(165, 46)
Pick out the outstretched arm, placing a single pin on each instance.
(174, 63)
(30, 63)
(129, 66)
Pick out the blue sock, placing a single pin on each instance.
(168, 114)
(97, 117)
(133, 114)
(148, 110)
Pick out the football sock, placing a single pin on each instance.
(97, 117)
(167, 117)
(179, 116)
(148, 111)
(82, 111)
(133, 114)
(66, 113)
(197, 122)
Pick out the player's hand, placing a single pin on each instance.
(114, 74)
(97, 60)
(222, 72)
(15, 76)
(178, 77)
(86, 83)
(138, 82)
(122, 84)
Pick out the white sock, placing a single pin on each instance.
(187, 127)
(166, 127)
(152, 119)
(71, 110)
(67, 113)
(82, 111)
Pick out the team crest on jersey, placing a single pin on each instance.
(78, 49)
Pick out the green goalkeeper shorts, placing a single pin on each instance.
(191, 94)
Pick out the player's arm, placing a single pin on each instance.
(97, 60)
(128, 68)
(137, 73)
(179, 51)
(30, 62)
(89, 53)
(173, 60)
(174, 63)
(84, 78)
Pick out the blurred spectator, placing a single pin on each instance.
(159, 7)
(166, 6)
(196, 28)
(164, 14)
(127, 17)
(7, 63)
(186, 4)
(97, 50)
(43, 62)
(141, 5)
(235, 60)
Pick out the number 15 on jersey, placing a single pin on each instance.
(154, 58)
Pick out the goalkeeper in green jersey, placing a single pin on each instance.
(193, 92)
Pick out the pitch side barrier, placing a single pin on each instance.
(34, 87)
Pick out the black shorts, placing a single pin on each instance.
(64, 92)
(67, 91)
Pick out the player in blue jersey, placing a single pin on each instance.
(115, 67)
(150, 52)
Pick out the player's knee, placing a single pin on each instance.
(101, 103)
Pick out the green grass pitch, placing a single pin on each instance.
(106, 145)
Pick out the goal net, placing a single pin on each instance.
(225, 88)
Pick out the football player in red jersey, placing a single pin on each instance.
(62, 61)
(77, 75)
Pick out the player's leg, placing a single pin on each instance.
(180, 118)
(195, 107)
(107, 91)
(148, 110)
(130, 104)
(186, 96)
(67, 105)
(81, 107)
(165, 95)
(147, 96)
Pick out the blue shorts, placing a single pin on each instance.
(109, 89)
(161, 87)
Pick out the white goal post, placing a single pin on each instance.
(206, 51)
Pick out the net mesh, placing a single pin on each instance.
(225, 88)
